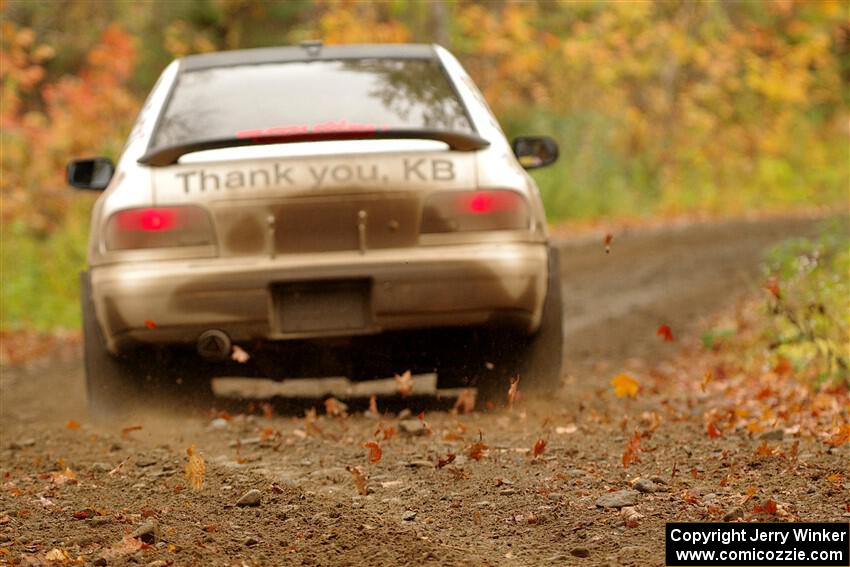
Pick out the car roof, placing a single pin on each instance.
(307, 51)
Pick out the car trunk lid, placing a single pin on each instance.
(308, 204)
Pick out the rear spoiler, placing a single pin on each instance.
(460, 141)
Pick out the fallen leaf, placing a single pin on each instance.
(238, 354)
(359, 480)
(127, 546)
(476, 451)
(764, 450)
(374, 451)
(631, 517)
(624, 385)
(269, 433)
(691, 496)
(450, 458)
(404, 383)
(335, 408)
(783, 366)
(768, 508)
(426, 428)
(459, 473)
(387, 432)
(632, 451)
(66, 476)
(57, 554)
(841, 436)
(195, 470)
(72, 425)
(513, 392)
(772, 285)
(127, 430)
(539, 448)
(465, 401)
(311, 422)
(267, 409)
(665, 332)
(118, 468)
(751, 491)
(712, 430)
(373, 406)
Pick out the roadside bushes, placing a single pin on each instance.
(809, 287)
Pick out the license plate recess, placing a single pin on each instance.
(322, 306)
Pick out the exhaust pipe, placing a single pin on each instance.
(214, 345)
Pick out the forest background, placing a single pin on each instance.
(660, 108)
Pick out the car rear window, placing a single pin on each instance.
(297, 97)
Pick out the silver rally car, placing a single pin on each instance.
(331, 210)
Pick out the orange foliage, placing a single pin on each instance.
(87, 114)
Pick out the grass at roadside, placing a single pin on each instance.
(760, 376)
(809, 286)
(780, 362)
(40, 290)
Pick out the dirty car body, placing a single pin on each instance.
(311, 195)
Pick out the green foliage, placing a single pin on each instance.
(40, 274)
(810, 303)
(714, 337)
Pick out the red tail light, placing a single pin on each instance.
(146, 219)
(158, 227)
(459, 211)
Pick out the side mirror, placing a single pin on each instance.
(535, 151)
(90, 173)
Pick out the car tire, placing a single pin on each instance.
(541, 362)
(118, 385)
(112, 382)
(537, 359)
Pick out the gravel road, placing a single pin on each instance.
(115, 493)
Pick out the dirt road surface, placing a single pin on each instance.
(75, 489)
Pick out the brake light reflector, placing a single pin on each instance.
(457, 211)
(157, 219)
(146, 219)
(481, 203)
(158, 227)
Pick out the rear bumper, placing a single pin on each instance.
(173, 302)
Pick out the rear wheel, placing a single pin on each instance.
(541, 357)
(537, 359)
(112, 382)
(116, 385)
